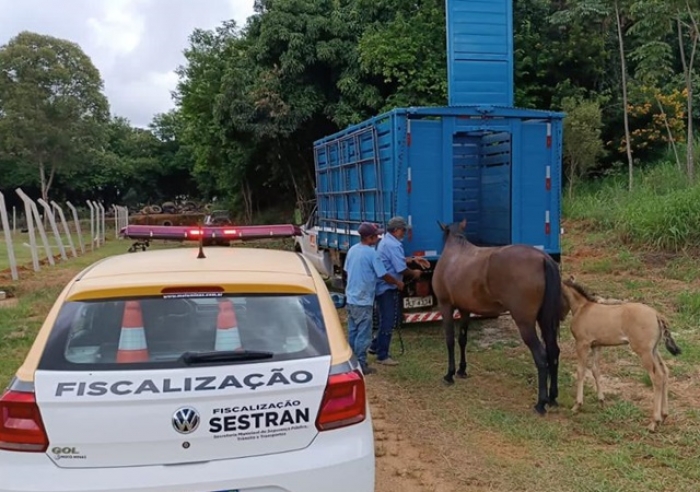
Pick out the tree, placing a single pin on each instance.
(52, 108)
(582, 142)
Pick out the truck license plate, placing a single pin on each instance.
(415, 302)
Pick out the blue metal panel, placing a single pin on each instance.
(486, 163)
(425, 161)
(466, 161)
(482, 185)
(480, 52)
(496, 203)
(538, 201)
(351, 169)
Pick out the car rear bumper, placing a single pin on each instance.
(341, 460)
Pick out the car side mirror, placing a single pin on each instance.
(339, 300)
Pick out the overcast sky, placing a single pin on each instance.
(135, 44)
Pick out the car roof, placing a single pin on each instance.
(185, 259)
(235, 269)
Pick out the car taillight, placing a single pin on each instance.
(344, 401)
(21, 427)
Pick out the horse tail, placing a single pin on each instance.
(549, 315)
(668, 338)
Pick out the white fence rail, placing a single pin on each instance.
(19, 246)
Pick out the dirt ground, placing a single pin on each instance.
(403, 465)
(412, 452)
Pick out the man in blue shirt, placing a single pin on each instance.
(392, 254)
(363, 268)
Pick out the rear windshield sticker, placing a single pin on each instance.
(192, 295)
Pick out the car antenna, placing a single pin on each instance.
(201, 242)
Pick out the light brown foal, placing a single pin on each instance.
(597, 324)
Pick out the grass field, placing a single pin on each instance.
(481, 434)
(484, 428)
(23, 254)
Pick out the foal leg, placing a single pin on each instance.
(449, 330)
(650, 364)
(664, 393)
(529, 336)
(463, 325)
(582, 353)
(596, 376)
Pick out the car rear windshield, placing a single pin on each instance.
(165, 332)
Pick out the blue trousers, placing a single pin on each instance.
(388, 306)
(360, 331)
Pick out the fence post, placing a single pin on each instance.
(8, 238)
(126, 216)
(78, 229)
(116, 221)
(98, 221)
(92, 225)
(28, 215)
(42, 233)
(54, 228)
(103, 230)
(65, 228)
(14, 220)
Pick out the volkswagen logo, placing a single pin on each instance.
(186, 420)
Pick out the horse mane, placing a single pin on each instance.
(457, 236)
(581, 290)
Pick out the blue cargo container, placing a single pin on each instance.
(500, 168)
(480, 52)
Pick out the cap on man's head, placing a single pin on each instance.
(397, 222)
(367, 229)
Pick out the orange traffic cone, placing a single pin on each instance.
(132, 340)
(227, 336)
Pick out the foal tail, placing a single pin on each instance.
(549, 315)
(668, 338)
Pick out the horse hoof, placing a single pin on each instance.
(448, 381)
(553, 403)
(540, 410)
(653, 426)
(462, 375)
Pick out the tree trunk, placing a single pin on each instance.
(671, 140)
(694, 34)
(571, 186)
(623, 67)
(247, 195)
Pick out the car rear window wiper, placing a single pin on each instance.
(224, 356)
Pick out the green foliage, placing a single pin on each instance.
(409, 53)
(52, 109)
(582, 137)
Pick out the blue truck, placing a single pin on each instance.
(478, 158)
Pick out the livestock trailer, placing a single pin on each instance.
(479, 158)
(498, 167)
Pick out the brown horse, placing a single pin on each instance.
(597, 324)
(489, 281)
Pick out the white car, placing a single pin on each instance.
(162, 372)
